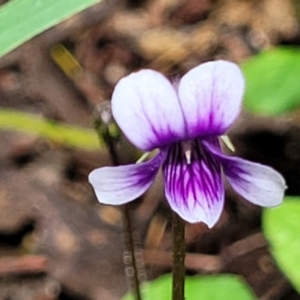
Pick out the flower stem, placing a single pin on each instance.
(130, 243)
(178, 257)
(132, 277)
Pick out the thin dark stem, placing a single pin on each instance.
(178, 257)
(130, 242)
(129, 239)
(111, 147)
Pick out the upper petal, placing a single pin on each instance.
(210, 96)
(119, 185)
(194, 190)
(255, 182)
(145, 106)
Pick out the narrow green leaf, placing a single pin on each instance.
(68, 135)
(21, 20)
(281, 226)
(272, 81)
(213, 287)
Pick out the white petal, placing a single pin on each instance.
(211, 96)
(255, 182)
(122, 184)
(145, 106)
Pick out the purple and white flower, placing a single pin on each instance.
(185, 121)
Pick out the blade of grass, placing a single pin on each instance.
(67, 135)
(20, 20)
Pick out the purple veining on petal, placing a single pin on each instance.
(257, 183)
(195, 190)
(145, 106)
(119, 185)
(210, 167)
(183, 119)
(161, 138)
(233, 170)
(210, 96)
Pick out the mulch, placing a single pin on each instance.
(56, 240)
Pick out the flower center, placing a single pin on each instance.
(187, 149)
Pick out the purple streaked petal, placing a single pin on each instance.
(195, 191)
(210, 97)
(146, 108)
(122, 184)
(257, 183)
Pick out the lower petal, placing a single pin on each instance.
(122, 184)
(257, 183)
(194, 187)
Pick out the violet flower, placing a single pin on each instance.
(185, 121)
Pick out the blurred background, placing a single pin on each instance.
(56, 240)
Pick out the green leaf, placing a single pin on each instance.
(214, 287)
(281, 226)
(21, 20)
(272, 81)
(68, 135)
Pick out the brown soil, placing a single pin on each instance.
(56, 240)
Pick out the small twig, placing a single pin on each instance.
(243, 247)
(195, 262)
(28, 264)
(178, 257)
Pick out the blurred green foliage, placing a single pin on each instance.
(67, 135)
(20, 20)
(213, 287)
(273, 81)
(281, 226)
